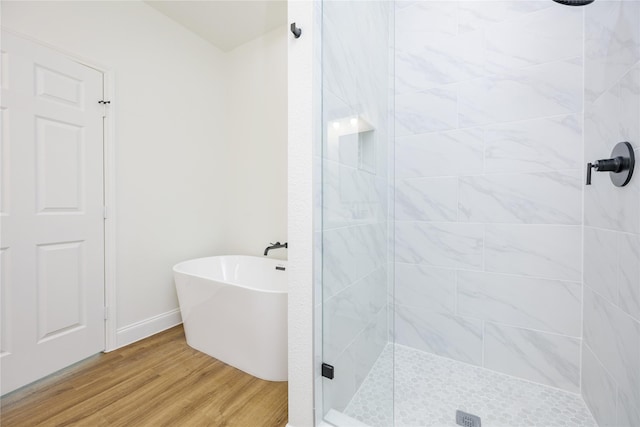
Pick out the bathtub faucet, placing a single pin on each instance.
(276, 245)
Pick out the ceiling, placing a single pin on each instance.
(226, 23)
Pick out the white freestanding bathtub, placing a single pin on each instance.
(234, 308)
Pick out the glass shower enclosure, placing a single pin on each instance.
(468, 276)
(356, 226)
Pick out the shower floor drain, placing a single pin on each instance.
(467, 420)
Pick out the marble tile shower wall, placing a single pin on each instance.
(611, 348)
(354, 192)
(488, 195)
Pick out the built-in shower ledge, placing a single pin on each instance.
(408, 387)
(334, 418)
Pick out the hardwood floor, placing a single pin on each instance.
(159, 381)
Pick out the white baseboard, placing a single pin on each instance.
(147, 327)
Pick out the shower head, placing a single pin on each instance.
(574, 2)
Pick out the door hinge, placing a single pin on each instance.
(105, 212)
(104, 106)
(106, 313)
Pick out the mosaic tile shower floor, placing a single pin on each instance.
(429, 389)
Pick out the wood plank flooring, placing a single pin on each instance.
(159, 381)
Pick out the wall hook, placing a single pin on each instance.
(297, 32)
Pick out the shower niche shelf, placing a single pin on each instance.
(352, 142)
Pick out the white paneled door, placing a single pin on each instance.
(51, 202)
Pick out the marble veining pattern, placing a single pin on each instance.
(547, 35)
(549, 251)
(611, 348)
(549, 89)
(509, 73)
(339, 264)
(629, 247)
(629, 414)
(427, 199)
(427, 391)
(543, 358)
(439, 17)
(612, 44)
(536, 145)
(601, 260)
(439, 244)
(427, 287)
(601, 122)
(444, 334)
(475, 15)
(541, 304)
(427, 111)
(598, 390)
(425, 59)
(439, 154)
(614, 338)
(538, 198)
(354, 198)
(489, 100)
(630, 106)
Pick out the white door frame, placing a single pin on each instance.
(109, 179)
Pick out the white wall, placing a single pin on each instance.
(257, 107)
(303, 111)
(173, 162)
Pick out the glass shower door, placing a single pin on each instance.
(355, 212)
